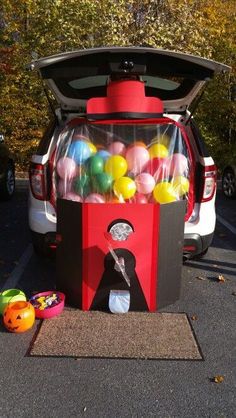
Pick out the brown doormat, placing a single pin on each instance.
(140, 335)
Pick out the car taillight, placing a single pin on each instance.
(209, 183)
(37, 177)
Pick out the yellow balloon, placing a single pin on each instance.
(158, 151)
(92, 147)
(116, 165)
(162, 139)
(124, 187)
(180, 185)
(164, 193)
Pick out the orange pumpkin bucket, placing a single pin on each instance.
(19, 316)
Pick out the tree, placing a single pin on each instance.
(45, 27)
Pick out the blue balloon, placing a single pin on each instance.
(79, 151)
(104, 154)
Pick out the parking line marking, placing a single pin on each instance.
(19, 269)
(227, 225)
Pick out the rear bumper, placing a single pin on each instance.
(194, 244)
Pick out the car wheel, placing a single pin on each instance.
(201, 255)
(229, 183)
(8, 183)
(40, 246)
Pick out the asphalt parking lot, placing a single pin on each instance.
(69, 387)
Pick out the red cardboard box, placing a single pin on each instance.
(152, 253)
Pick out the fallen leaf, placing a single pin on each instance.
(221, 278)
(194, 317)
(218, 379)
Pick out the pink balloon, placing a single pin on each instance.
(95, 198)
(138, 198)
(159, 168)
(137, 157)
(67, 168)
(64, 187)
(116, 148)
(178, 164)
(145, 183)
(73, 196)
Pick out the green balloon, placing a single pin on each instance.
(94, 165)
(102, 182)
(82, 185)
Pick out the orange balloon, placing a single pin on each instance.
(137, 143)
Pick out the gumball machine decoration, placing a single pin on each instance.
(121, 255)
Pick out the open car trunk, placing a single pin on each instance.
(175, 78)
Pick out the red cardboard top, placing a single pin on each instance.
(125, 98)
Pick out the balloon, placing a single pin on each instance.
(124, 187)
(104, 154)
(67, 168)
(178, 164)
(137, 157)
(82, 185)
(92, 148)
(116, 166)
(94, 165)
(116, 200)
(64, 187)
(138, 198)
(95, 198)
(137, 144)
(116, 148)
(158, 150)
(79, 137)
(102, 182)
(164, 193)
(161, 139)
(79, 151)
(180, 185)
(145, 183)
(73, 196)
(159, 168)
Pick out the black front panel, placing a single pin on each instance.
(171, 234)
(69, 251)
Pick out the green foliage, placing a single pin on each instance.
(46, 27)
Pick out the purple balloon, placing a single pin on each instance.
(73, 196)
(67, 168)
(64, 187)
(116, 148)
(145, 183)
(178, 164)
(95, 198)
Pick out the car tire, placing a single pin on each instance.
(8, 183)
(40, 245)
(201, 255)
(229, 183)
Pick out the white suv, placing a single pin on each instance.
(76, 77)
